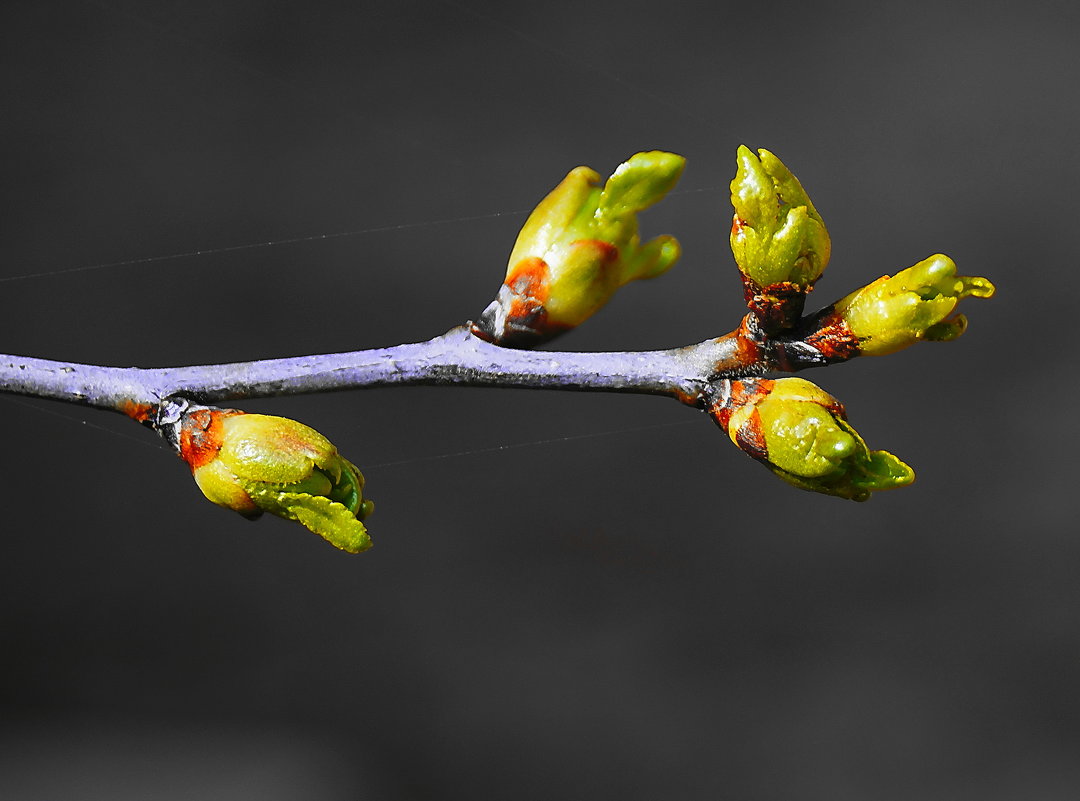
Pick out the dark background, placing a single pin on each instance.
(637, 615)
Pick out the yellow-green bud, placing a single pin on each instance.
(801, 433)
(777, 237)
(255, 463)
(578, 247)
(777, 233)
(893, 313)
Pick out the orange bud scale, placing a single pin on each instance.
(833, 338)
(751, 437)
(201, 435)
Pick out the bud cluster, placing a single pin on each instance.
(576, 249)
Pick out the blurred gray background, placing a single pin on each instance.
(639, 614)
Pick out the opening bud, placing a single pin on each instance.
(579, 245)
(801, 433)
(255, 463)
(917, 303)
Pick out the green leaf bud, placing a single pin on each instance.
(255, 463)
(894, 312)
(578, 247)
(779, 240)
(801, 434)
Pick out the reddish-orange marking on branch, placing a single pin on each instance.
(139, 412)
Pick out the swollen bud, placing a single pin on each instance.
(892, 313)
(577, 248)
(801, 433)
(777, 237)
(255, 463)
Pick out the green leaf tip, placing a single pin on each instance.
(331, 520)
(639, 182)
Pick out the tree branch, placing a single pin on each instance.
(456, 357)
